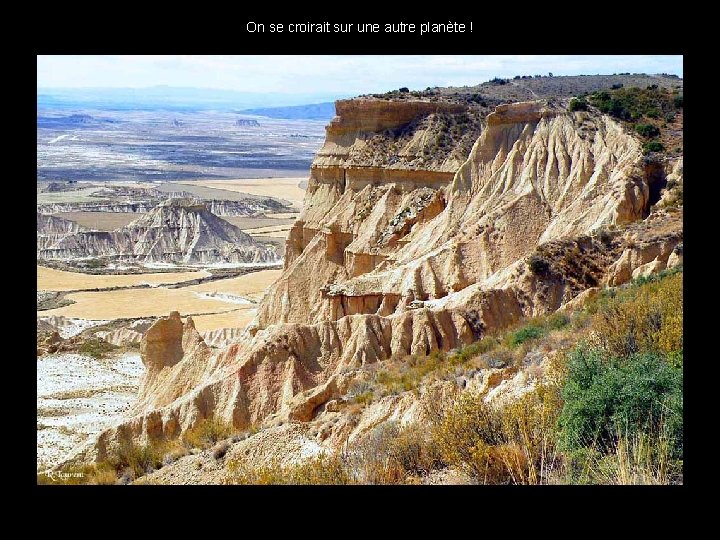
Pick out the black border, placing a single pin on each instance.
(506, 29)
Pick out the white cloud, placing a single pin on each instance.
(341, 74)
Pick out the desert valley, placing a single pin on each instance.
(429, 287)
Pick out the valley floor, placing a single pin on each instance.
(77, 396)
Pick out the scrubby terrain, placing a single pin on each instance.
(477, 290)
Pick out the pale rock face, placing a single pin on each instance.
(52, 229)
(534, 174)
(121, 336)
(222, 336)
(176, 231)
(391, 261)
(643, 260)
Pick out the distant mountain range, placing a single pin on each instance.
(314, 111)
(177, 98)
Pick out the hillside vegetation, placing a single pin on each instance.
(611, 411)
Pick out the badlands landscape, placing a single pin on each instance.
(470, 285)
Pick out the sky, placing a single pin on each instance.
(325, 74)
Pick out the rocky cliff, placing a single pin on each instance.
(176, 231)
(400, 251)
(52, 229)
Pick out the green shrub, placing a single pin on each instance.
(538, 265)
(364, 398)
(577, 104)
(606, 398)
(556, 321)
(678, 101)
(97, 348)
(484, 345)
(653, 146)
(633, 103)
(526, 333)
(647, 130)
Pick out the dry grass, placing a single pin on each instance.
(391, 454)
(127, 463)
(510, 445)
(645, 318)
(208, 432)
(637, 459)
(320, 470)
(49, 279)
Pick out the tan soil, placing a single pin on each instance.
(133, 303)
(100, 221)
(229, 319)
(49, 279)
(282, 188)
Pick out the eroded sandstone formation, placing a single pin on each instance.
(392, 259)
(176, 231)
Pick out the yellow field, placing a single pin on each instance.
(100, 221)
(230, 319)
(133, 303)
(282, 188)
(250, 285)
(130, 303)
(49, 279)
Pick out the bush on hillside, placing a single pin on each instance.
(320, 470)
(647, 130)
(653, 146)
(526, 333)
(648, 318)
(538, 265)
(208, 432)
(510, 445)
(607, 398)
(97, 348)
(577, 104)
(633, 103)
